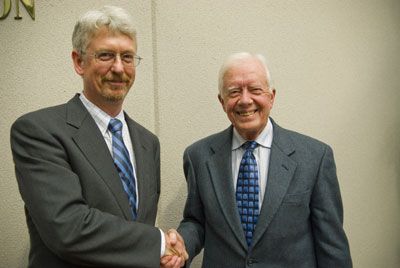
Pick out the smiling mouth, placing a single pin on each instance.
(248, 113)
(116, 84)
(116, 81)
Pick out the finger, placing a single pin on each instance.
(164, 260)
(172, 263)
(178, 262)
(171, 251)
(182, 262)
(185, 255)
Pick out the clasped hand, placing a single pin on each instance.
(175, 251)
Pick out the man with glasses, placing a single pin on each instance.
(260, 195)
(90, 175)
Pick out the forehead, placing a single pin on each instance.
(104, 38)
(245, 72)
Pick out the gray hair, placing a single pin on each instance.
(116, 19)
(234, 59)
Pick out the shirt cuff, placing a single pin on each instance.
(162, 251)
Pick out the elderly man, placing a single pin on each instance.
(260, 195)
(90, 175)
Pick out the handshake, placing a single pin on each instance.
(175, 254)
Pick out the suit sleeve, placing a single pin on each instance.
(331, 245)
(56, 208)
(192, 226)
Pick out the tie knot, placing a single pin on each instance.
(115, 125)
(250, 145)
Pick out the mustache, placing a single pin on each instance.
(115, 78)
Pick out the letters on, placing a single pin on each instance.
(28, 4)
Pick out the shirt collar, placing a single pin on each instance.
(264, 139)
(101, 118)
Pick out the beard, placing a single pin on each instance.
(116, 93)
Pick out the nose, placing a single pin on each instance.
(245, 97)
(117, 66)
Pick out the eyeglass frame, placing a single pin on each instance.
(111, 61)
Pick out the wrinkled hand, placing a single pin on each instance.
(175, 252)
(175, 244)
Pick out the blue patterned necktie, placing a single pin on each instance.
(123, 163)
(247, 191)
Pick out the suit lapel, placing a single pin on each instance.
(139, 149)
(219, 166)
(91, 142)
(280, 174)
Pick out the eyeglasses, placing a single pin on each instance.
(107, 58)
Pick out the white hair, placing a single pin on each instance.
(114, 18)
(234, 59)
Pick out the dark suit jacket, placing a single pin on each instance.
(300, 223)
(77, 211)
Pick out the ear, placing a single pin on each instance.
(78, 62)
(273, 92)
(221, 100)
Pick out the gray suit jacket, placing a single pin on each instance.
(300, 223)
(77, 211)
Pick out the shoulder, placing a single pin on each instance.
(73, 110)
(42, 117)
(285, 138)
(212, 142)
(140, 131)
(303, 138)
(43, 128)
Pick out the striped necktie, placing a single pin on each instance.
(123, 163)
(247, 191)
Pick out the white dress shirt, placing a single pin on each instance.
(261, 153)
(102, 120)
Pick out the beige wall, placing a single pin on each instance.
(335, 64)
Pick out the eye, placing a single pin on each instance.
(105, 56)
(128, 57)
(233, 92)
(256, 90)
